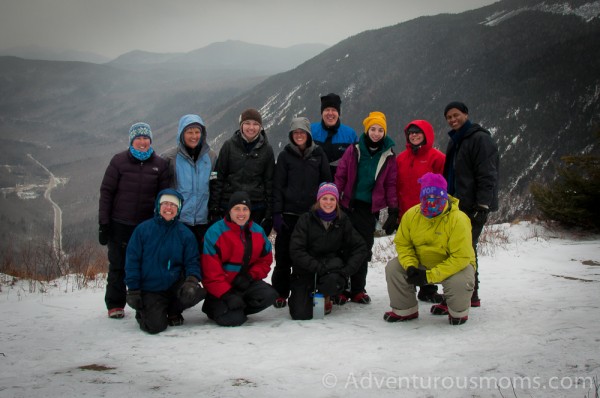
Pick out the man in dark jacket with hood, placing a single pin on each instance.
(471, 169)
(162, 270)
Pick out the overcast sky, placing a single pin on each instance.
(114, 27)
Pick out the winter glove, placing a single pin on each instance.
(233, 301)
(242, 281)
(278, 222)
(480, 215)
(190, 293)
(416, 276)
(103, 234)
(134, 299)
(267, 225)
(391, 224)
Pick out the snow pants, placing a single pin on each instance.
(115, 281)
(457, 290)
(283, 263)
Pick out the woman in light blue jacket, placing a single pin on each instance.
(191, 164)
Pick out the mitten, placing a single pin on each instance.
(331, 284)
(103, 234)
(241, 281)
(134, 299)
(334, 264)
(233, 301)
(416, 276)
(391, 224)
(190, 293)
(278, 222)
(267, 225)
(480, 215)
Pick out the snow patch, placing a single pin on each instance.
(587, 12)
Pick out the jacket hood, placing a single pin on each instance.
(168, 191)
(185, 121)
(427, 129)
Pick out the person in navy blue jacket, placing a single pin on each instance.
(162, 268)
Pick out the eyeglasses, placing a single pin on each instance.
(414, 132)
(168, 204)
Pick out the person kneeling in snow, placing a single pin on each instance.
(434, 246)
(162, 269)
(237, 256)
(326, 250)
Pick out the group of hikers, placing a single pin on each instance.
(193, 225)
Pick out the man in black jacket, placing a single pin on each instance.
(471, 169)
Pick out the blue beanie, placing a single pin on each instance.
(139, 130)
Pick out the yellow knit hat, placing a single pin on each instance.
(375, 118)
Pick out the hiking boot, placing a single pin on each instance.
(391, 316)
(116, 313)
(328, 305)
(280, 302)
(361, 298)
(339, 299)
(440, 309)
(175, 320)
(457, 321)
(475, 301)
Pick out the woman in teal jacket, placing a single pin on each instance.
(162, 268)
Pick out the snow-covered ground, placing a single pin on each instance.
(536, 335)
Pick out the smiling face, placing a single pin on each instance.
(376, 133)
(299, 136)
(191, 136)
(250, 129)
(168, 210)
(416, 138)
(330, 116)
(328, 203)
(239, 214)
(141, 143)
(456, 119)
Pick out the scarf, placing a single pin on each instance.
(139, 155)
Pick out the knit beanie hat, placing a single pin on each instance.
(170, 198)
(433, 184)
(239, 197)
(375, 118)
(331, 100)
(458, 105)
(139, 130)
(328, 188)
(251, 114)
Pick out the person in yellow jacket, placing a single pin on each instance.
(434, 246)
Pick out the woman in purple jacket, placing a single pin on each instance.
(131, 182)
(366, 179)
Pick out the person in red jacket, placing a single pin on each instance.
(420, 157)
(237, 256)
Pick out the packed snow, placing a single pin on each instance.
(535, 335)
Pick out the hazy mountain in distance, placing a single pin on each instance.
(53, 54)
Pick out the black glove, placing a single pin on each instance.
(480, 215)
(267, 225)
(190, 293)
(103, 234)
(242, 281)
(134, 299)
(391, 224)
(416, 276)
(233, 301)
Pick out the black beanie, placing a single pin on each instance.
(239, 197)
(458, 105)
(331, 100)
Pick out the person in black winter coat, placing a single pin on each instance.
(131, 182)
(246, 162)
(326, 250)
(471, 169)
(300, 168)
